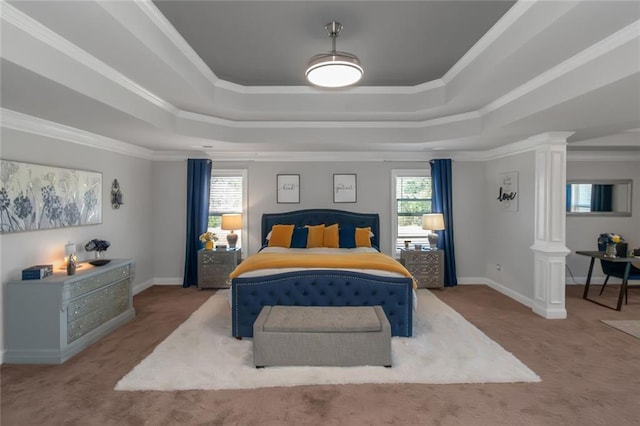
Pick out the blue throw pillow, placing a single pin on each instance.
(347, 236)
(299, 238)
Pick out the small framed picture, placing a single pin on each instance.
(344, 188)
(288, 187)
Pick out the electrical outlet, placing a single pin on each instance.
(498, 267)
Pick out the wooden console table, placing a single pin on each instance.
(623, 287)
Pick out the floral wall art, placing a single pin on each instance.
(34, 197)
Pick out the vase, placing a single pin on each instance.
(99, 254)
(208, 245)
(611, 250)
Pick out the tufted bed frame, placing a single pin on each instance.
(322, 287)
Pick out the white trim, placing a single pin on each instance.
(621, 155)
(140, 287)
(512, 15)
(526, 301)
(167, 281)
(244, 172)
(162, 23)
(29, 124)
(395, 174)
(597, 50)
(38, 31)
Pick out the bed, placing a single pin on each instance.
(322, 287)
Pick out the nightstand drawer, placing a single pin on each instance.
(426, 266)
(214, 267)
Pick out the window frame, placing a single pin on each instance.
(395, 174)
(244, 241)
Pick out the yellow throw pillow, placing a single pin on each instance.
(331, 237)
(281, 236)
(363, 237)
(316, 236)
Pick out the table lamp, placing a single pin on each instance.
(231, 222)
(433, 222)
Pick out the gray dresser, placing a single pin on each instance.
(50, 320)
(214, 267)
(426, 266)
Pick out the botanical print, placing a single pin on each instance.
(36, 197)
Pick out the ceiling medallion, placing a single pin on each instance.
(334, 69)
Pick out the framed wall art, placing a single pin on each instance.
(344, 188)
(508, 191)
(36, 197)
(288, 187)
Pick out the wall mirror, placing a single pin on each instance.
(599, 197)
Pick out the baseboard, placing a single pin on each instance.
(137, 288)
(510, 293)
(2, 356)
(167, 281)
(472, 281)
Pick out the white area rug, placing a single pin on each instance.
(446, 348)
(631, 327)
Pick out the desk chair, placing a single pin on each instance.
(612, 269)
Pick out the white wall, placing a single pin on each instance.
(128, 229)
(582, 232)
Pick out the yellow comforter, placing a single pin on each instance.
(377, 261)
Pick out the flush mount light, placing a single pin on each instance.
(334, 69)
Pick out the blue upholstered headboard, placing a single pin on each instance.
(323, 216)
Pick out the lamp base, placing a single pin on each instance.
(232, 239)
(433, 241)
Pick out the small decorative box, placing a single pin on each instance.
(37, 272)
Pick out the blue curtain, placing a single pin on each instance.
(602, 198)
(198, 186)
(443, 203)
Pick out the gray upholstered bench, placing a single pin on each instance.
(321, 335)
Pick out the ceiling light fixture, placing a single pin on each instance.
(334, 69)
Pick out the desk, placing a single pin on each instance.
(601, 255)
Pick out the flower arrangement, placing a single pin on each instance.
(610, 239)
(208, 236)
(97, 245)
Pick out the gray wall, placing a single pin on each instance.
(129, 229)
(316, 182)
(582, 232)
(509, 235)
(150, 226)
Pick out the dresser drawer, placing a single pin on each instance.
(74, 289)
(87, 304)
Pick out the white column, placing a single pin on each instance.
(549, 247)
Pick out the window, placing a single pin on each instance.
(227, 195)
(411, 196)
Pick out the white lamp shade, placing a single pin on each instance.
(433, 221)
(337, 69)
(231, 222)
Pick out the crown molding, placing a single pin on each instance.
(519, 147)
(26, 123)
(39, 32)
(602, 155)
(616, 40)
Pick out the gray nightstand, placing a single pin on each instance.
(214, 267)
(426, 266)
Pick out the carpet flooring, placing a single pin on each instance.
(631, 327)
(590, 375)
(445, 348)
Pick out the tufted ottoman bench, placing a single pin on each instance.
(321, 335)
